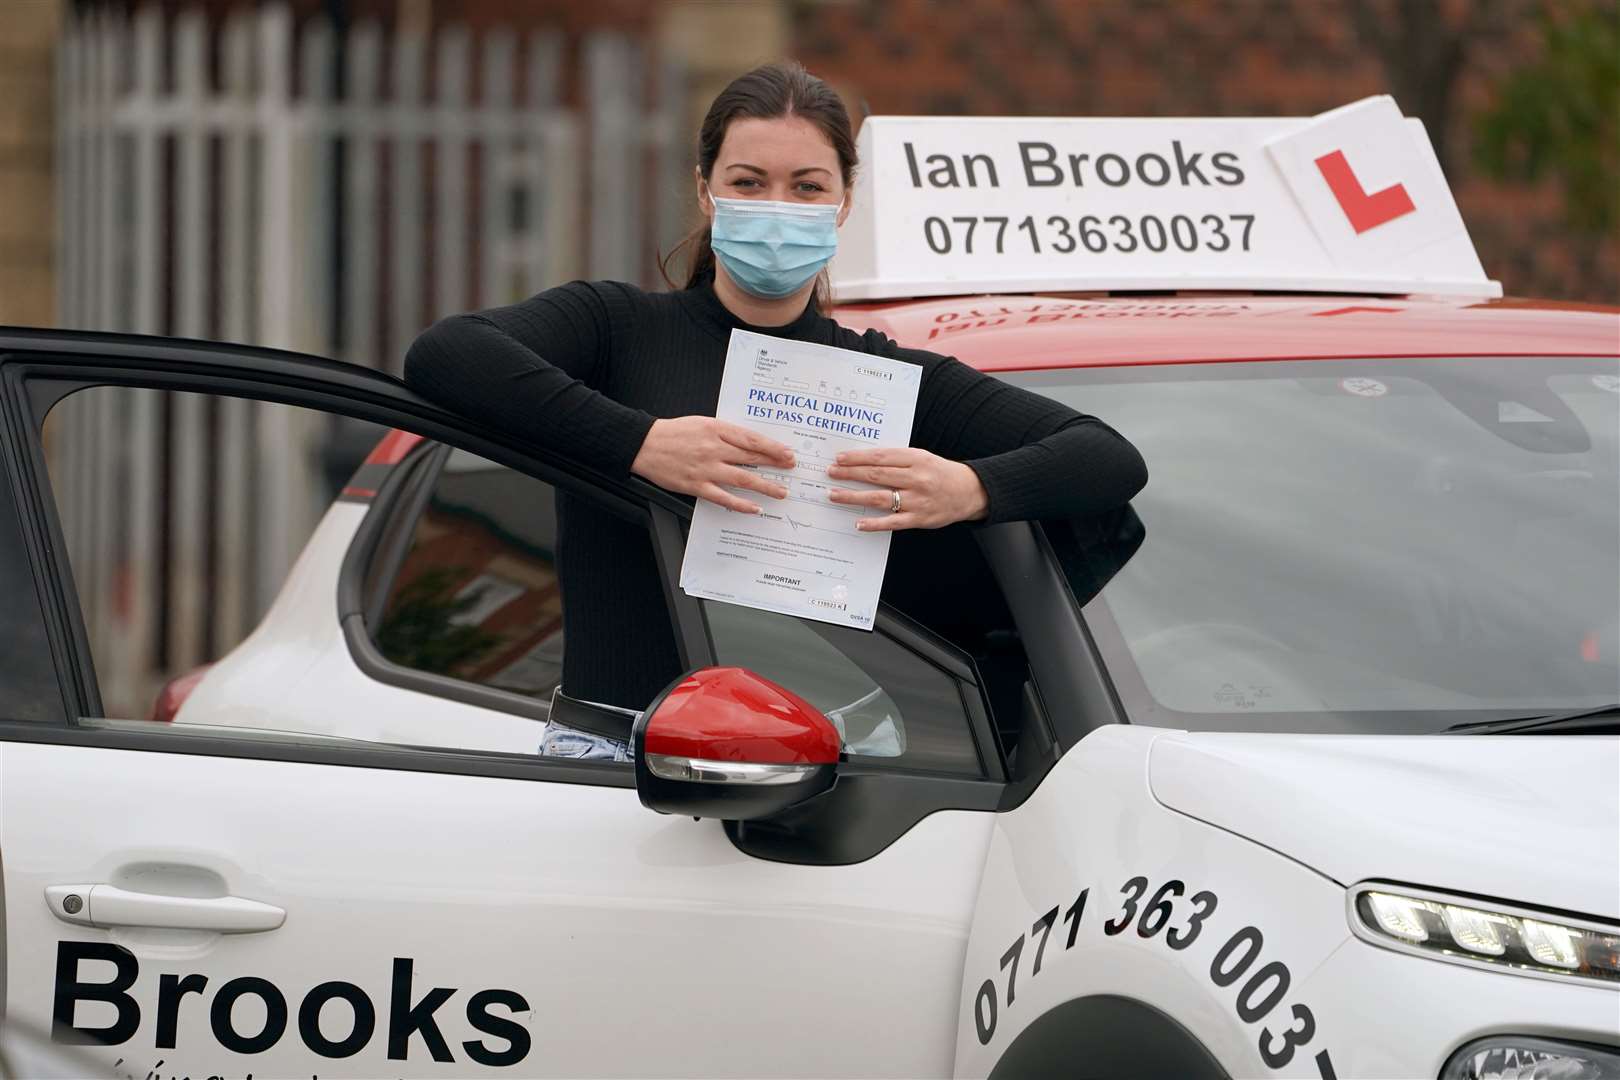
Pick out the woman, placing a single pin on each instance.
(627, 382)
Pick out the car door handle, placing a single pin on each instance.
(108, 905)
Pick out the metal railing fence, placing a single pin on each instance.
(265, 181)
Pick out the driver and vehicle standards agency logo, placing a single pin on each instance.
(1363, 387)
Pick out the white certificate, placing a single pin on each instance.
(802, 555)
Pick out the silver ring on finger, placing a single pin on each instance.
(894, 501)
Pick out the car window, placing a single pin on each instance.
(476, 596)
(1410, 545)
(211, 541)
(208, 538)
(885, 700)
(476, 600)
(29, 690)
(199, 529)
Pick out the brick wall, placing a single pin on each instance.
(1215, 58)
(27, 214)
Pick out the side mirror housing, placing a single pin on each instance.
(723, 742)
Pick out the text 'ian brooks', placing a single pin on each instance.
(1042, 165)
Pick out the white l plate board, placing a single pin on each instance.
(1367, 181)
(1350, 201)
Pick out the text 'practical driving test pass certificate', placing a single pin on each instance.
(802, 555)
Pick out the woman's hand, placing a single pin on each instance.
(695, 455)
(934, 491)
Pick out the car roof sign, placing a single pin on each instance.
(1350, 201)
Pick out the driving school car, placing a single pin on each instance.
(1304, 766)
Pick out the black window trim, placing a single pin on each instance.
(692, 636)
(1073, 685)
(394, 756)
(55, 591)
(418, 470)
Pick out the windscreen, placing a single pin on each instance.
(1381, 545)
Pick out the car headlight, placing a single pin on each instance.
(1499, 936)
(1521, 1057)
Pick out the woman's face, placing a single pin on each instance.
(783, 159)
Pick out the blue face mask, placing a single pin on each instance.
(771, 249)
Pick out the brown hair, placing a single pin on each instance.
(769, 91)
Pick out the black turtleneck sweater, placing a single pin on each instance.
(583, 370)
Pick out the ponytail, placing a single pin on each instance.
(699, 260)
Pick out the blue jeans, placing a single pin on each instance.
(566, 742)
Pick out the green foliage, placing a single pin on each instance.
(1561, 116)
(417, 631)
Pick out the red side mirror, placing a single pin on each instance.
(724, 742)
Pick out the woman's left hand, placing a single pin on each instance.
(934, 491)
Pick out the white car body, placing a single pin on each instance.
(1277, 826)
(1246, 818)
(607, 920)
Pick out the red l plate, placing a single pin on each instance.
(1364, 211)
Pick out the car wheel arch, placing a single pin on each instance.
(1108, 1036)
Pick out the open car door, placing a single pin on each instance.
(216, 898)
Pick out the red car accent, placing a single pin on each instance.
(1365, 211)
(392, 448)
(1020, 333)
(174, 693)
(1351, 311)
(731, 714)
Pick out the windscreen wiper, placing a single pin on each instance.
(1603, 720)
